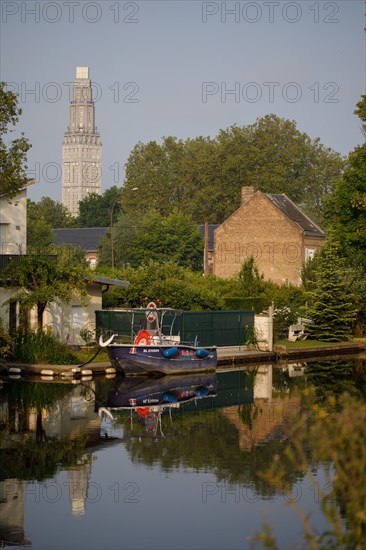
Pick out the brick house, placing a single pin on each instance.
(273, 230)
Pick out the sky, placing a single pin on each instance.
(180, 68)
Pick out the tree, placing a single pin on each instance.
(173, 238)
(167, 284)
(43, 279)
(360, 111)
(12, 155)
(121, 238)
(345, 210)
(97, 210)
(42, 217)
(345, 215)
(51, 212)
(251, 279)
(203, 177)
(39, 235)
(333, 310)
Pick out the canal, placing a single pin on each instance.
(201, 462)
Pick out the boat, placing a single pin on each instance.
(154, 349)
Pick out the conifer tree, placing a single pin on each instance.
(333, 309)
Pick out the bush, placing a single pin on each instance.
(6, 343)
(168, 285)
(41, 347)
(331, 432)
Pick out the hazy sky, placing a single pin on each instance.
(181, 68)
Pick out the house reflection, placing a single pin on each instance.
(22, 419)
(70, 417)
(12, 513)
(263, 419)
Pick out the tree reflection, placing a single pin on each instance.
(28, 456)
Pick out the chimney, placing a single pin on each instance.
(246, 194)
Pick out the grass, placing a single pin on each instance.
(304, 343)
(84, 355)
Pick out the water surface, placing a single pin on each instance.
(80, 474)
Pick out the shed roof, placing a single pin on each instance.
(108, 281)
(293, 212)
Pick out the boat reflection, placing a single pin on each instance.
(148, 398)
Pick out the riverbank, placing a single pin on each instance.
(228, 357)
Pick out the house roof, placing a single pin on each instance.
(87, 238)
(291, 211)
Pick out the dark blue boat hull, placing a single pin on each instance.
(180, 359)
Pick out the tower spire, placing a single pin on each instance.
(81, 148)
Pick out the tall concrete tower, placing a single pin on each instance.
(81, 148)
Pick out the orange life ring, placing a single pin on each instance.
(142, 338)
(142, 411)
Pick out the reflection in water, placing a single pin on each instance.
(149, 398)
(12, 513)
(231, 424)
(78, 482)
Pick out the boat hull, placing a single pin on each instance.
(181, 359)
(142, 392)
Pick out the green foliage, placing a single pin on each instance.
(252, 281)
(100, 210)
(43, 279)
(42, 217)
(40, 347)
(288, 300)
(360, 111)
(6, 343)
(336, 431)
(333, 309)
(283, 317)
(121, 237)
(345, 210)
(309, 273)
(13, 155)
(169, 285)
(87, 333)
(203, 176)
(39, 235)
(345, 215)
(173, 238)
(51, 212)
